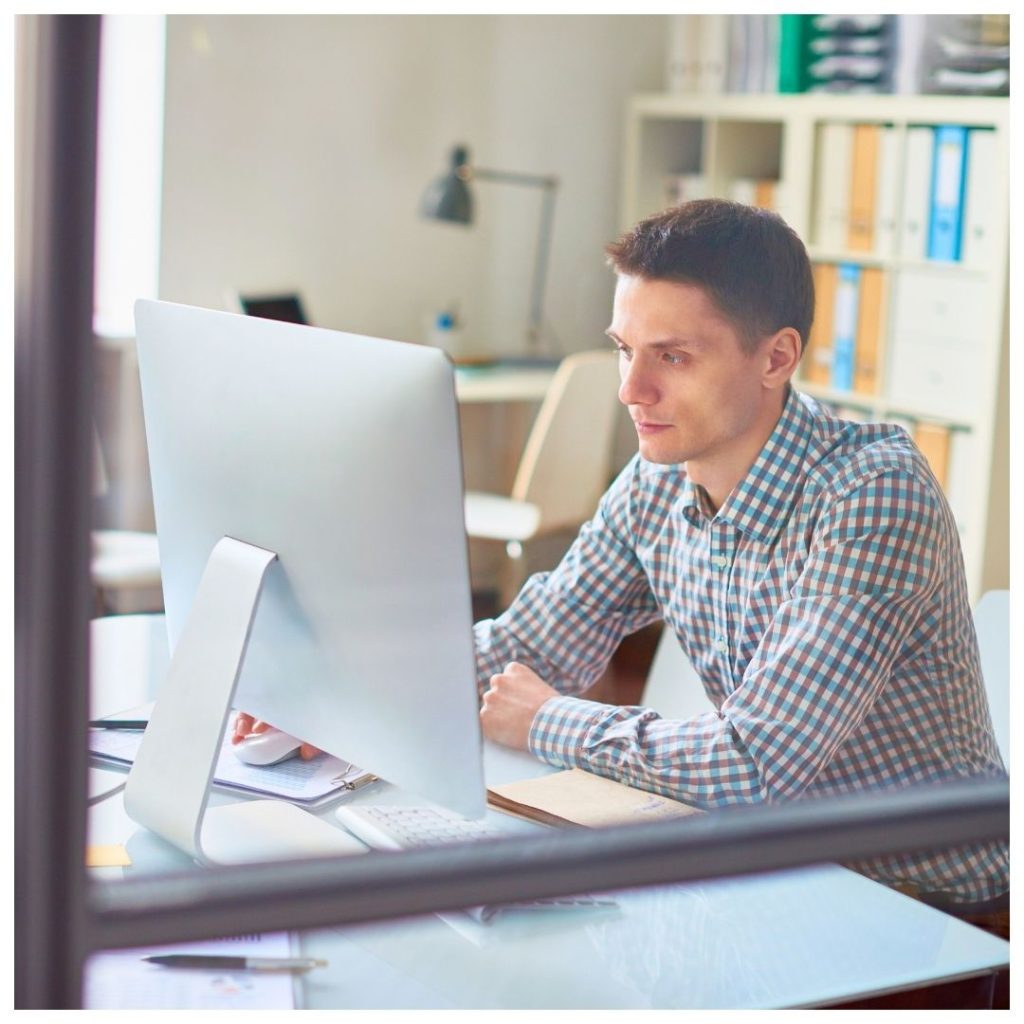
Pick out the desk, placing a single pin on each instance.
(502, 383)
(804, 937)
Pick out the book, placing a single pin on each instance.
(844, 331)
(863, 184)
(916, 192)
(832, 177)
(933, 441)
(887, 191)
(575, 797)
(979, 232)
(867, 369)
(818, 357)
(949, 158)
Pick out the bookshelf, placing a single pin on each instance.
(940, 326)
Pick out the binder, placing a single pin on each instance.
(887, 190)
(818, 356)
(834, 162)
(683, 53)
(713, 53)
(916, 192)
(978, 240)
(867, 369)
(932, 439)
(844, 330)
(947, 196)
(764, 194)
(863, 169)
(794, 35)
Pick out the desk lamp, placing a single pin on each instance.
(449, 198)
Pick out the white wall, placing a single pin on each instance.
(297, 148)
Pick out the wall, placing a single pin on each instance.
(297, 149)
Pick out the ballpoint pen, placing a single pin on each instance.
(236, 963)
(136, 724)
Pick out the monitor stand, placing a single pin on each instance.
(168, 787)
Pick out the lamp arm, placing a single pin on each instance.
(514, 177)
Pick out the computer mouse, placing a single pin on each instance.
(267, 748)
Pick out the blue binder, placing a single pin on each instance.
(844, 326)
(949, 173)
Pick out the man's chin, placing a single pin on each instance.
(661, 455)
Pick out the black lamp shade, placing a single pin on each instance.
(448, 197)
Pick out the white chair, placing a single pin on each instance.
(992, 624)
(565, 465)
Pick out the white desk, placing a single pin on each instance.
(502, 383)
(811, 936)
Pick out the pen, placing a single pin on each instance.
(138, 724)
(236, 963)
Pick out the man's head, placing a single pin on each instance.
(751, 264)
(713, 305)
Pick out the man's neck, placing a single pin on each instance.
(719, 475)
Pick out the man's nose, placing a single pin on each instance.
(636, 387)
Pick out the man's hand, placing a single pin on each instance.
(509, 706)
(246, 725)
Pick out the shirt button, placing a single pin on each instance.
(720, 644)
(720, 561)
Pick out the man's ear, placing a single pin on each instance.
(781, 356)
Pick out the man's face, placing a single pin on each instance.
(694, 395)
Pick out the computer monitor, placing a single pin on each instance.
(287, 308)
(340, 454)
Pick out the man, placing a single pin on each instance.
(810, 567)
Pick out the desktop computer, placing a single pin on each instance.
(308, 493)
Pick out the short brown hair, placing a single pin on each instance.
(750, 261)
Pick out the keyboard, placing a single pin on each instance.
(397, 827)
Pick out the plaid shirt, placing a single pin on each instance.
(825, 609)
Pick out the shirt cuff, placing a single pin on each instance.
(559, 729)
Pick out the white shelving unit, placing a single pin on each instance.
(728, 137)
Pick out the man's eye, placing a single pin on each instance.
(675, 358)
(623, 351)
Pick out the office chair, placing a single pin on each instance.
(564, 468)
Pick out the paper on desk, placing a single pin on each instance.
(304, 782)
(576, 797)
(121, 980)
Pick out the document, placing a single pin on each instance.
(576, 797)
(122, 980)
(301, 782)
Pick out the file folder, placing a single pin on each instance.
(845, 329)
(863, 186)
(948, 176)
(977, 246)
(916, 192)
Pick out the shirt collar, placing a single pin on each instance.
(760, 503)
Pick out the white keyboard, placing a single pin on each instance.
(395, 827)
